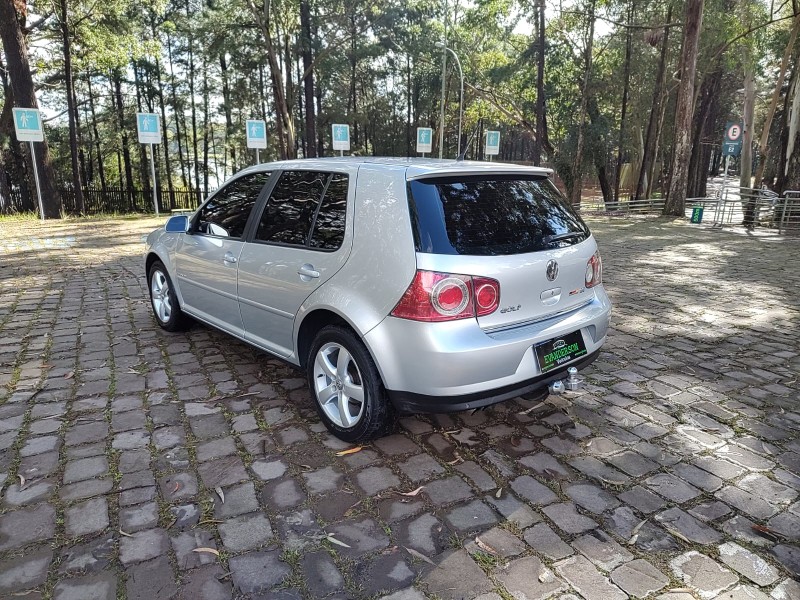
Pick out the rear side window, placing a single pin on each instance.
(226, 213)
(306, 208)
(491, 215)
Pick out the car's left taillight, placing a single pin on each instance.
(434, 297)
(594, 270)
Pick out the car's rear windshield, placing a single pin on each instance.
(491, 215)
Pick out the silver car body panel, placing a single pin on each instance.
(363, 281)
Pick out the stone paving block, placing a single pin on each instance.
(748, 503)
(591, 497)
(788, 589)
(450, 489)
(702, 574)
(589, 583)
(591, 467)
(26, 525)
(672, 488)
(642, 499)
(239, 499)
(184, 544)
(374, 480)
(528, 578)
(386, 572)
(744, 457)
(698, 477)
(320, 574)
(90, 557)
(421, 467)
(639, 578)
(767, 489)
(24, 572)
(178, 486)
(102, 586)
(32, 492)
(245, 532)
(744, 562)
(129, 440)
(397, 444)
(742, 592)
(710, 511)
(632, 463)
(480, 478)
(143, 545)
(650, 538)
(268, 469)
(222, 472)
(513, 509)
(85, 468)
(283, 494)
(568, 519)
(206, 583)
(87, 517)
(363, 535)
(325, 480)
(151, 580)
(687, 526)
(788, 556)
(533, 491)
(498, 462)
(39, 445)
(471, 516)
(456, 577)
(602, 550)
(257, 572)
(503, 542)
(425, 533)
(545, 541)
(741, 528)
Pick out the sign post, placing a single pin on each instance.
(731, 146)
(424, 140)
(492, 144)
(149, 129)
(28, 125)
(256, 136)
(341, 138)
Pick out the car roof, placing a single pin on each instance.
(415, 167)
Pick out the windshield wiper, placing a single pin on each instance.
(565, 236)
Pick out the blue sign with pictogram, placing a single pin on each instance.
(28, 125)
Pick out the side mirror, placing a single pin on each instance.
(177, 224)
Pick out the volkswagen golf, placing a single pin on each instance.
(397, 285)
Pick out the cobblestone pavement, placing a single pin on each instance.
(675, 473)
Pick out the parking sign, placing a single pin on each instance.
(732, 142)
(148, 127)
(28, 125)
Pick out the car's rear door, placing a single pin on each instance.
(298, 242)
(207, 257)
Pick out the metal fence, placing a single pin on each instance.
(624, 208)
(110, 200)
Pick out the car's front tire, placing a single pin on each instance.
(163, 300)
(346, 386)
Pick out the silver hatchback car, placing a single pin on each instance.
(398, 285)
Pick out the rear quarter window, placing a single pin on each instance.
(491, 215)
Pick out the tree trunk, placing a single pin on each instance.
(676, 197)
(77, 188)
(626, 77)
(746, 169)
(541, 124)
(164, 136)
(195, 165)
(96, 135)
(789, 161)
(763, 148)
(19, 70)
(577, 169)
(644, 183)
(703, 127)
(126, 153)
(308, 82)
(175, 111)
(205, 127)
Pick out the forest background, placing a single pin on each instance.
(623, 98)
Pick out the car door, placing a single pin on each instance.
(298, 243)
(207, 257)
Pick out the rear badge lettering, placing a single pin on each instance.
(509, 309)
(577, 291)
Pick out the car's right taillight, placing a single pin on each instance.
(594, 270)
(434, 296)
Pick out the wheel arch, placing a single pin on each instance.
(311, 324)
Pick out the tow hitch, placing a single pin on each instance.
(571, 384)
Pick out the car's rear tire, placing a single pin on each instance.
(163, 300)
(346, 386)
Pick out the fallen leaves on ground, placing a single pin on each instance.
(350, 451)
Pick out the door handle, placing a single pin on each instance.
(308, 271)
(229, 258)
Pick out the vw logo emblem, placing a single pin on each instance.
(552, 270)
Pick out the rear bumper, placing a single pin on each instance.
(425, 365)
(409, 402)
